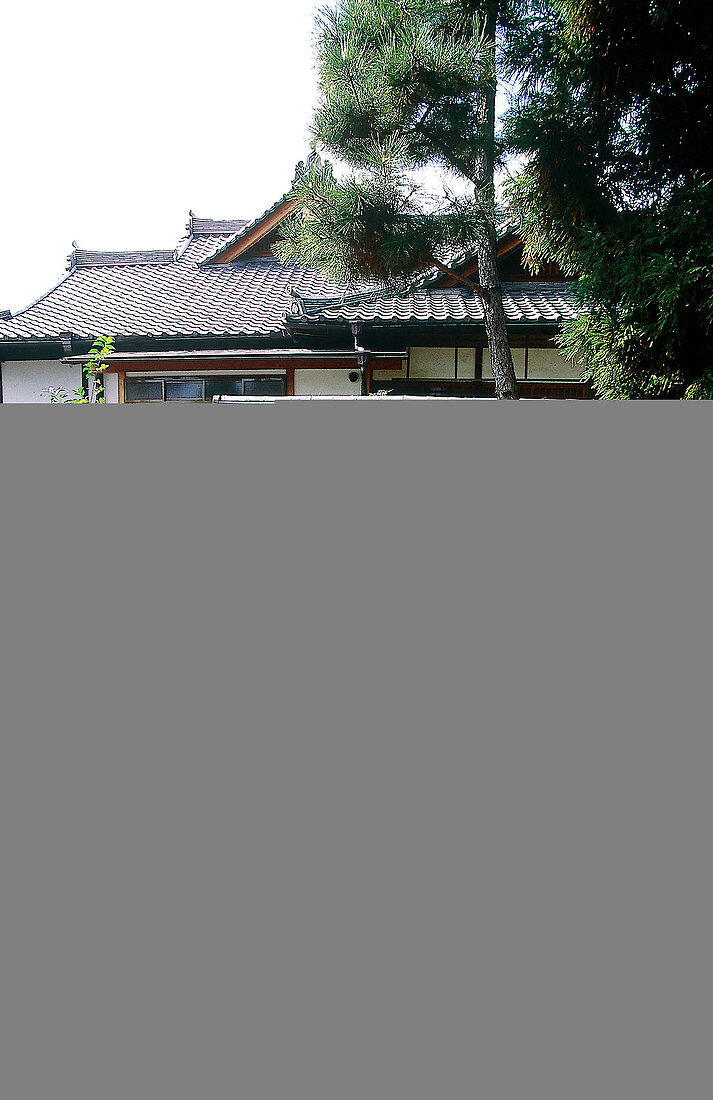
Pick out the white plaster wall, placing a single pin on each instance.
(111, 388)
(325, 381)
(466, 363)
(432, 363)
(518, 359)
(548, 363)
(22, 382)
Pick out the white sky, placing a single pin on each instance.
(118, 119)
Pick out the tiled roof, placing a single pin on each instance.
(207, 236)
(194, 249)
(175, 294)
(125, 295)
(524, 302)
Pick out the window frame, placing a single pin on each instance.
(203, 379)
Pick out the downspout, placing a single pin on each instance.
(363, 357)
(363, 361)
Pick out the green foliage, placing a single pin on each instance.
(702, 389)
(92, 390)
(390, 70)
(100, 350)
(401, 87)
(58, 396)
(374, 227)
(614, 117)
(646, 287)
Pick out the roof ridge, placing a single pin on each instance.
(393, 289)
(83, 257)
(307, 305)
(209, 227)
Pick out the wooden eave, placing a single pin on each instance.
(256, 234)
(236, 359)
(506, 245)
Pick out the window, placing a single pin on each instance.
(220, 387)
(189, 389)
(263, 387)
(143, 391)
(201, 389)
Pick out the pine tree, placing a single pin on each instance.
(407, 85)
(615, 119)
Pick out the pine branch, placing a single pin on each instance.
(448, 155)
(458, 277)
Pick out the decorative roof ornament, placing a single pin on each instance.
(299, 173)
(304, 168)
(297, 304)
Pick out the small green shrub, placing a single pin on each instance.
(91, 392)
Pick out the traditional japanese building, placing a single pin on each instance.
(219, 315)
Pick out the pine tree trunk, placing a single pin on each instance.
(489, 278)
(495, 323)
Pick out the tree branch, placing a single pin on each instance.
(461, 166)
(458, 277)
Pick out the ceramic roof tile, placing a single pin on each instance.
(535, 302)
(176, 294)
(176, 297)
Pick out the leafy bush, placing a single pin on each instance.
(91, 392)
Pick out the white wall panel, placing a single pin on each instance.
(111, 388)
(548, 363)
(466, 363)
(22, 382)
(432, 363)
(314, 381)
